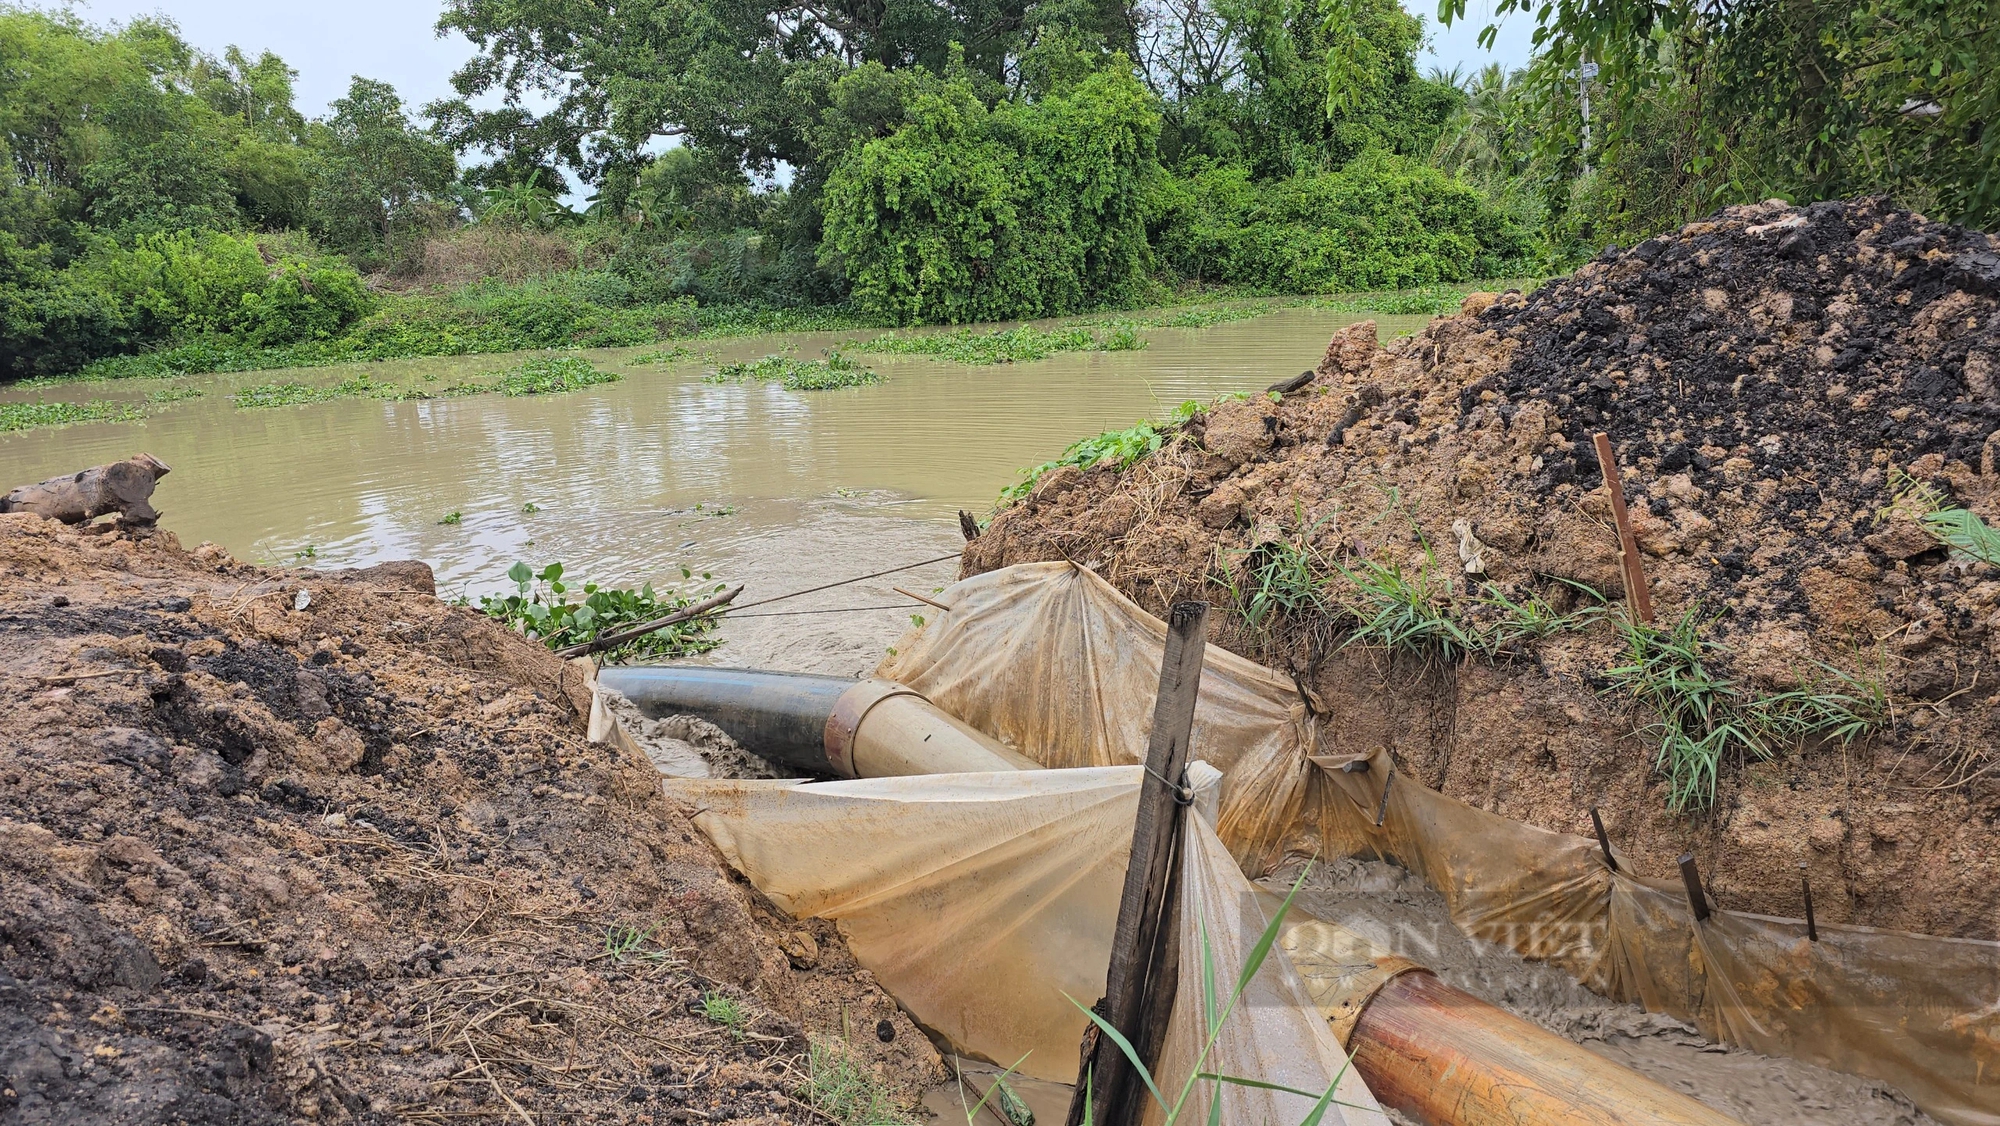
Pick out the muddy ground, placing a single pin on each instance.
(1773, 380)
(286, 846)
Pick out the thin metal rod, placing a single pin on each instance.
(844, 582)
(919, 597)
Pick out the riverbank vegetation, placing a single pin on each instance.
(782, 167)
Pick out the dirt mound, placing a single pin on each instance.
(1777, 382)
(281, 845)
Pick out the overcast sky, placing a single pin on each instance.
(395, 40)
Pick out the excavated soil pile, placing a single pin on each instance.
(1771, 380)
(283, 845)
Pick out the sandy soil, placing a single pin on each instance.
(283, 846)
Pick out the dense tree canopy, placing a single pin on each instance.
(928, 160)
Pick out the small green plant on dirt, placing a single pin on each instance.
(452, 517)
(541, 608)
(1968, 536)
(1701, 716)
(841, 1087)
(1116, 448)
(794, 374)
(1507, 624)
(1215, 1011)
(726, 1011)
(552, 375)
(1406, 609)
(1284, 577)
(628, 943)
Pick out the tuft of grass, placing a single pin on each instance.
(1968, 536)
(795, 374)
(1284, 577)
(1700, 716)
(1406, 610)
(1022, 344)
(726, 1011)
(552, 375)
(1514, 622)
(628, 943)
(30, 416)
(840, 1087)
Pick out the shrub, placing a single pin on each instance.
(968, 214)
(1381, 222)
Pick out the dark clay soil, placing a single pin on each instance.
(284, 846)
(1767, 377)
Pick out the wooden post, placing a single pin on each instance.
(1637, 597)
(1812, 924)
(1603, 840)
(1691, 879)
(1139, 990)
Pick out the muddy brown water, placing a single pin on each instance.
(632, 480)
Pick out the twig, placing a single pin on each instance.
(497, 1089)
(920, 598)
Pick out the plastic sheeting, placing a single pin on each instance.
(980, 900)
(1051, 659)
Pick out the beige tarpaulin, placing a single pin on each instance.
(1051, 659)
(980, 900)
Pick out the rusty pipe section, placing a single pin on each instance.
(1447, 1058)
(823, 725)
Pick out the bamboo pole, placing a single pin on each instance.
(1637, 597)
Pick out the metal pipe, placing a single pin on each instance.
(823, 725)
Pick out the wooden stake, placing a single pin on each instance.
(920, 598)
(1637, 597)
(1691, 876)
(1382, 810)
(1603, 841)
(967, 526)
(1139, 989)
(1812, 924)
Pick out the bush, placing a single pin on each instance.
(178, 285)
(1027, 210)
(1381, 222)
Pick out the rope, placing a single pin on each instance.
(834, 610)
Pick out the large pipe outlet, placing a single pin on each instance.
(1447, 1058)
(823, 725)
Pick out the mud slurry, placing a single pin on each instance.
(1767, 378)
(283, 846)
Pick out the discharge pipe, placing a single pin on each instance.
(822, 725)
(1434, 1052)
(1447, 1058)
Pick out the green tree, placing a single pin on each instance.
(375, 178)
